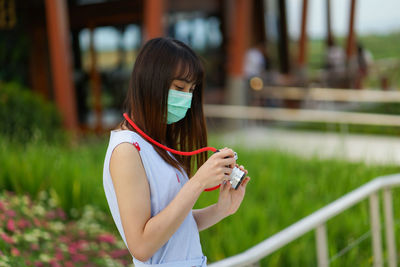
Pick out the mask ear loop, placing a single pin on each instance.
(183, 153)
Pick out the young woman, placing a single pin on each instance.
(147, 188)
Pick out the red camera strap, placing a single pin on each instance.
(183, 153)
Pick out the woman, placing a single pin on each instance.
(147, 188)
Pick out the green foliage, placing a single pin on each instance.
(25, 116)
(14, 54)
(285, 188)
(72, 175)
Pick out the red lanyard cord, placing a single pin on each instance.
(183, 153)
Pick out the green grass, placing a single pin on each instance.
(284, 188)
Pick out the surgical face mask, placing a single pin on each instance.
(178, 104)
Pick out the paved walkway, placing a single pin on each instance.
(369, 148)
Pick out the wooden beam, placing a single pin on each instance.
(257, 16)
(329, 36)
(153, 19)
(60, 51)
(303, 36)
(238, 37)
(206, 6)
(113, 13)
(283, 38)
(350, 48)
(38, 62)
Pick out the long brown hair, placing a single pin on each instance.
(159, 62)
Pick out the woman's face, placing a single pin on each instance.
(183, 86)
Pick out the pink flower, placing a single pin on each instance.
(82, 233)
(64, 239)
(61, 214)
(59, 256)
(79, 257)
(11, 225)
(10, 213)
(107, 238)
(73, 247)
(39, 264)
(7, 238)
(14, 251)
(69, 264)
(119, 253)
(34, 246)
(54, 263)
(102, 253)
(51, 215)
(36, 222)
(23, 224)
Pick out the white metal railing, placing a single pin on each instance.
(299, 115)
(311, 115)
(329, 94)
(318, 219)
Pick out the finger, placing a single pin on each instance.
(227, 171)
(226, 152)
(227, 185)
(228, 162)
(243, 169)
(222, 187)
(227, 178)
(246, 181)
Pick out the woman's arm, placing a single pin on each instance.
(228, 203)
(207, 217)
(146, 234)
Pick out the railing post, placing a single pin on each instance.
(390, 236)
(322, 246)
(376, 229)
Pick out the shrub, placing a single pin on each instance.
(25, 116)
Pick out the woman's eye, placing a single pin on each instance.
(179, 88)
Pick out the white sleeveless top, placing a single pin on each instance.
(183, 248)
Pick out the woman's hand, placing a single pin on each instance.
(230, 199)
(216, 169)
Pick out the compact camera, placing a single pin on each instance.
(237, 175)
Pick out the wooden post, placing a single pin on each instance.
(350, 37)
(153, 19)
(303, 36)
(238, 41)
(329, 35)
(60, 51)
(301, 60)
(283, 38)
(352, 66)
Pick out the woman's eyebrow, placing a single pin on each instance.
(184, 80)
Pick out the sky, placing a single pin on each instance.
(372, 17)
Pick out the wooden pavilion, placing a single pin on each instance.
(53, 28)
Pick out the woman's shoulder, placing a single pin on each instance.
(121, 135)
